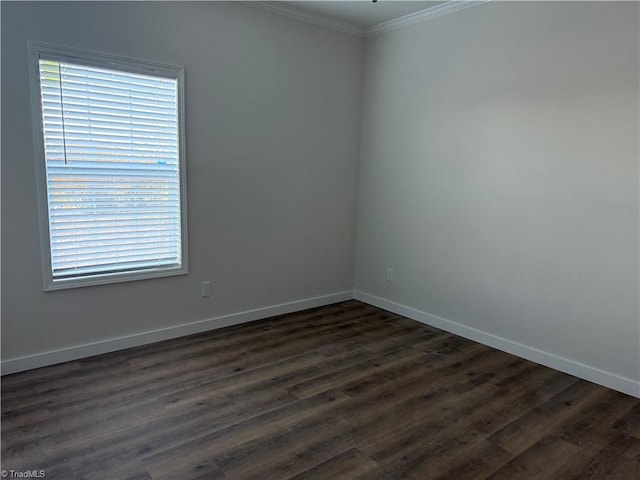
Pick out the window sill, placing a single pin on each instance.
(117, 277)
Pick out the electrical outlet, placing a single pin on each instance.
(205, 289)
(389, 274)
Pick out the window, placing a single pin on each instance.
(110, 164)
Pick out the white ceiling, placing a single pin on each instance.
(362, 13)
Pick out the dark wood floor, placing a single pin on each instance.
(346, 391)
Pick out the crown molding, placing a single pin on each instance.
(422, 16)
(280, 8)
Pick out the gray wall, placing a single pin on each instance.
(499, 175)
(498, 171)
(273, 119)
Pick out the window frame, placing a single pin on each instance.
(38, 50)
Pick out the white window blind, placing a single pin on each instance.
(112, 165)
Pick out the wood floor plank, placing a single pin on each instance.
(200, 451)
(629, 423)
(537, 423)
(625, 469)
(287, 453)
(346, 391)
(607, 460)
(552, 457)
(593, 429)
(351, 464)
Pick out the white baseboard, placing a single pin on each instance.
(28, 362)
(577, 369)
(601, 377)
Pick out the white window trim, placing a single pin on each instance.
(36, 50)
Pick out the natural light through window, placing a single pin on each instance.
(112, 156)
